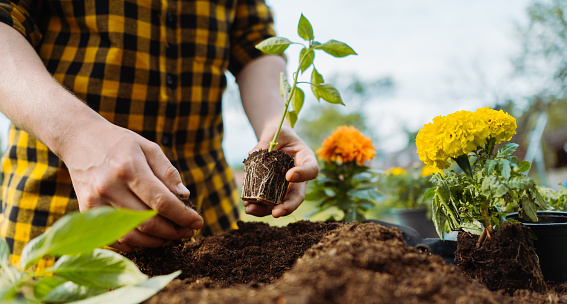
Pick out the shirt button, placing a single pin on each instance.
(170, 19)
(170, 81)
(166, 139)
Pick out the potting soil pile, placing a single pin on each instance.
(308, 262)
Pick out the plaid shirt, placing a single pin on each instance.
(154, 67)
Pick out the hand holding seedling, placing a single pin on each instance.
(305, 162)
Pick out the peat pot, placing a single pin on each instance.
(551, 243)
(417, 219)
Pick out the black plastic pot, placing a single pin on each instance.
(417, 219)
(551, 243)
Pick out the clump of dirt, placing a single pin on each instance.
(366, 263)
(507, 261)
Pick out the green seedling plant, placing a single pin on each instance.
(83, 273)
(292, 94)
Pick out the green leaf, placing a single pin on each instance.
(492, 187)
(474, 227)
(520, 182)
(528, 209)
(273, 45)
(490, 164)
(505, 168)
(102, 269)
(428, 194)
(308, 60)
(77, 233)
(329, 93)
(132, 294)
(329, 192)
(285, 88)
(438, 216)
(506, 150)
(304, 29)
(4, 252)
(336, 48)
(316, 79)
(315, 195)
(70, 291)
(291, 117)
(45, 285)
(524, 166)
(297, 100)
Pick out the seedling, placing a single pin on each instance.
(264, 171)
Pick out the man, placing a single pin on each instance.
(119, 103)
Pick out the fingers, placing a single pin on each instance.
(157, 192)
(306, 168)
(257, 209)
(294, 197)
(164, 170)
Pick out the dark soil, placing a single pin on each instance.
(264, 177)
(506, 261)
(308, 262)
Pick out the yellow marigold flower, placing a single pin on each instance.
(396, 171)
(502, 126)
(449, 137)
(427, 171)
(347, 144)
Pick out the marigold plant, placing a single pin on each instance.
(347, 144)
(344, 182)
(477, 199)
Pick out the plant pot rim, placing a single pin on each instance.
(540, 213)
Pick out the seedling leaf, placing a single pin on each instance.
(304, 29)
(273, 45)
(336, 48)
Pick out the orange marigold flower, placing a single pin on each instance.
(347, 144)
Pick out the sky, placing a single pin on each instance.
(443, 55)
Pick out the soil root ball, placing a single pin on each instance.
(507, 261)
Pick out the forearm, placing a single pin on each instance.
(32, 99)
(259, 90)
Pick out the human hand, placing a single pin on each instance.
(110, 165)
(305, 169)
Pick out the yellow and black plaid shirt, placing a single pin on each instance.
(154, 67)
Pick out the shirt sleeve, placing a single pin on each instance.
(18, 14)
(253, 23)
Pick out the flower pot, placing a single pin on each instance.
(264, 177)
(417, 219)
(551, 243)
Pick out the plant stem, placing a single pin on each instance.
(274, 141)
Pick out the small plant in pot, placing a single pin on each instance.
(345, 182)
(475, 201)
(403, 190)
(264, 170)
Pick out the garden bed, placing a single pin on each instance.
(309, 262)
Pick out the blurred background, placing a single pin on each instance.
(420, 59)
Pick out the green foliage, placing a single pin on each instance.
(556, 199)
(83, 273)
(321, 90)
(480, 199)
(405, 189)
(349, 187)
